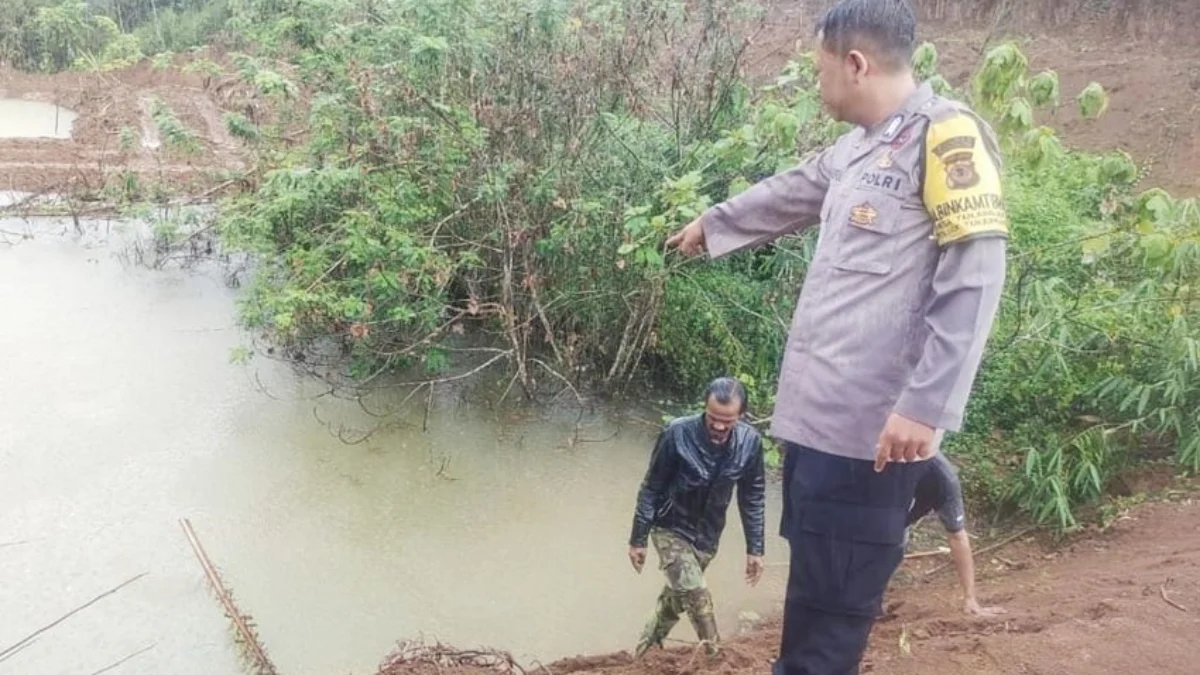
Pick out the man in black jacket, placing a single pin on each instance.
(682, 502)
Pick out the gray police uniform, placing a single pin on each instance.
(893, 316)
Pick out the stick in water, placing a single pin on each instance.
(257, 653)
(107, 668)
(9, 651)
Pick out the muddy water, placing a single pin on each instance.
(121, 413)
(34, 119)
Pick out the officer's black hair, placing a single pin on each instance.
(886, 28)
(725, 390)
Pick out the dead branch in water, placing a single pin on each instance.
(24, 642)
(414, 652)
(116, 664)
(255, 651)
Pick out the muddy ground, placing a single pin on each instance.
(112, 106)
(1118, 602)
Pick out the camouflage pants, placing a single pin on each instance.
(685, 592)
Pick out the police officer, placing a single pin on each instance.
(697, 462)
(890, 325)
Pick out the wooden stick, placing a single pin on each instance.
(1162, 591)
(941, 550)
(23, 541)
(107, 668)
(9, 651)
(257, 652)
(988, 549)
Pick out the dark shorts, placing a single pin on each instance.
(846, 526)
(939, 492)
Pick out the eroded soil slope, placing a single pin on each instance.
(1146, 54)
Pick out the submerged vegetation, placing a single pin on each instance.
(432, 180)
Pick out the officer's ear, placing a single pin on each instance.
(858, 64)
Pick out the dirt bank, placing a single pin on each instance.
(114, 134)
(1119, 602)
(1145, 54)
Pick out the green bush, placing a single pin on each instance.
(511, 169)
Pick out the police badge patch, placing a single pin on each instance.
(885, 160)
(863, 215)
(958, 158)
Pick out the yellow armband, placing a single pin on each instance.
(962, 182)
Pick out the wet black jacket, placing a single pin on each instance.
(690, 482)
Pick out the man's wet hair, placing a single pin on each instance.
(725, 390)
(886, 29)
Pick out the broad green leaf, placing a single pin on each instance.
(1157, 246)
(1095, 247)
(925, 60)
(737, 186)
(635, 226)
(1118, 167)
(1093, 101)
(1044, 90)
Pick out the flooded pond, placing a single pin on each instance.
(34, 119)
(123, 414)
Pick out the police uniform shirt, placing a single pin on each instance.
(909, 266)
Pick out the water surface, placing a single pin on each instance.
(121, 414)
(34, 119)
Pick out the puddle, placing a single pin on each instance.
(34, 119)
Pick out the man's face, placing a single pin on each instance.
(837, 78)
(720, 418)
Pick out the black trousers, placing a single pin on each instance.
(845, 524)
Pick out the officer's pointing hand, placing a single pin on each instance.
(903, 440)
(689, 240)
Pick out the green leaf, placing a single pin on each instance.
(635, 226)
(1093, 101)
(1094, 248)
(925, 59)
(1156, 246)
(1118, 167)
(1044, 90)
(1018, 114)
(626, 249)
(1160, 205)
(737, 186)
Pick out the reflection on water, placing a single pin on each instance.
(34, 119)
(122, 414)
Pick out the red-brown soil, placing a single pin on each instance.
(1145, 54)
(1118, 602)
(107, 105)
